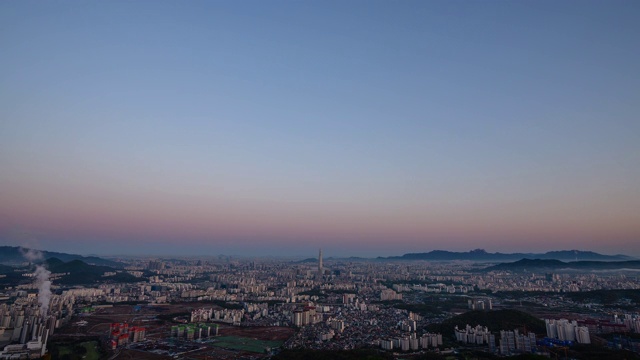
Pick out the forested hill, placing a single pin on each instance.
(15, 255)
(554, 265)
(494, 320)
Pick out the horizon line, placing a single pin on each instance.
(305, 256)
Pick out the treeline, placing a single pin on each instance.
(604, 297)
(494, 320)
(435, 305)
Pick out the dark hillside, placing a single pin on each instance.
(494, 320)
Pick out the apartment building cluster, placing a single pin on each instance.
(389, 294)
(472, 335)
(229, 316)
(566, 330)
(31, 341)
(26, 325)
(510, 342)
(306, 316)
(412, 342)
(631, 322)
(514, 342)
(194, 331)
(121, 334)
(480, 304)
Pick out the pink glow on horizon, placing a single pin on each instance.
(84, 205)
(77, 213)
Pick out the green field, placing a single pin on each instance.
(72, 351)
(245, 344)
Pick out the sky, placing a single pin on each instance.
(365, 128)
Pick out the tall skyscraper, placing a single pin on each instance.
(320, 262)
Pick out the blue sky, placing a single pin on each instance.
(361, 125)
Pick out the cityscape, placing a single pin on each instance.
(320, 179)
(254, 308)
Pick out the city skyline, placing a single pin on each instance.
(362, 128)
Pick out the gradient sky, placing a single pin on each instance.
(278, 127)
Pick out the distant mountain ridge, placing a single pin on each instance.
(544, 264)
(14, 255)
(482, 255)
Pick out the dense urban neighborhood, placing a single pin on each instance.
(249, 308)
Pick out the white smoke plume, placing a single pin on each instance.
(31, 254)
(44, 288)
(42, 279)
